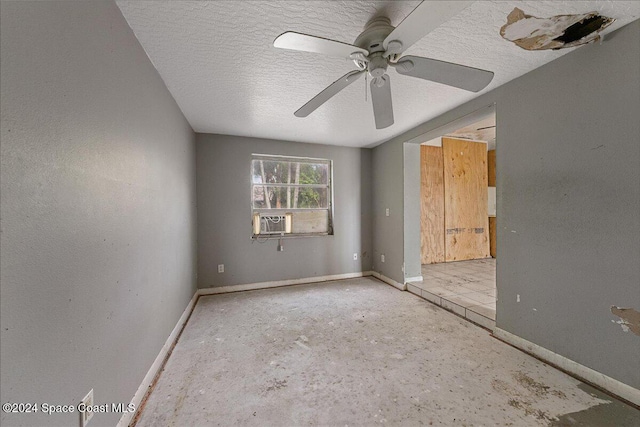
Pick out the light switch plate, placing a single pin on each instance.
(86, 416)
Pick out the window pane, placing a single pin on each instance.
(271, 171)
(289, 172)
(272, 197)
(290, 197)
(311, 173)
(310, 198)
(259, 200)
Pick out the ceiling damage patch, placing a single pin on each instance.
(557, 32)
(629, 319)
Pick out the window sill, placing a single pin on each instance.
(263, 237)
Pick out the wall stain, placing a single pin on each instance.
(629, 319)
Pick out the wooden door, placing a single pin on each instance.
(465, 195)
(491, 163)
(492, 236)
(431, 204)
(491, 167)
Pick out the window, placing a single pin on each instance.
(291, 196)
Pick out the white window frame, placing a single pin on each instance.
(290, 212)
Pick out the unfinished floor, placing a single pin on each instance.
(358, 352)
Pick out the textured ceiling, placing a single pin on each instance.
(218, 61)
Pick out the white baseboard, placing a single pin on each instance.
(157, 364)
(279, 283)
(413, 279)
(401, 286)
(580, 371)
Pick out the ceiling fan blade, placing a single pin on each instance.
(460, 76)
(381, 100)
(426, 17)
(307, 43)
(329, 92)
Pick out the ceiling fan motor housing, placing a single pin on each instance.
(372, 39)
(374, 33)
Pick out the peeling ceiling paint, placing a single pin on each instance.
(556, 32)
(218, 62)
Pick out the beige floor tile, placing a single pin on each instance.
(477, 286)
(481, 298)
(411, 287)
(430, 282)
(431, 297)
(491, 284)
(440, 291)
(490, 292)
(456, 308)
(462, 300)
(458, 289)
(491, 305)
(483, 310)
(480, 319)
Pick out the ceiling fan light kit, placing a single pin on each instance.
(381, 45)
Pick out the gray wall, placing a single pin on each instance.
(388, 180)
(568, 170)
(412, 238)
(387, 230)
(224, 215)
(98, 208)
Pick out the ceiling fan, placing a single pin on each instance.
(379, 46)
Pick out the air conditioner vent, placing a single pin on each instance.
(272, 224)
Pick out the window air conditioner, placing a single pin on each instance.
(264, 223)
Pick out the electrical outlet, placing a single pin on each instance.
(355, 256)
(386, 212)
(87, 402)
(382, 257)
(220, 268)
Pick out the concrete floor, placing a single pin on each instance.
(358, 352)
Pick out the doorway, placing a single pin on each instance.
(458, 221)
